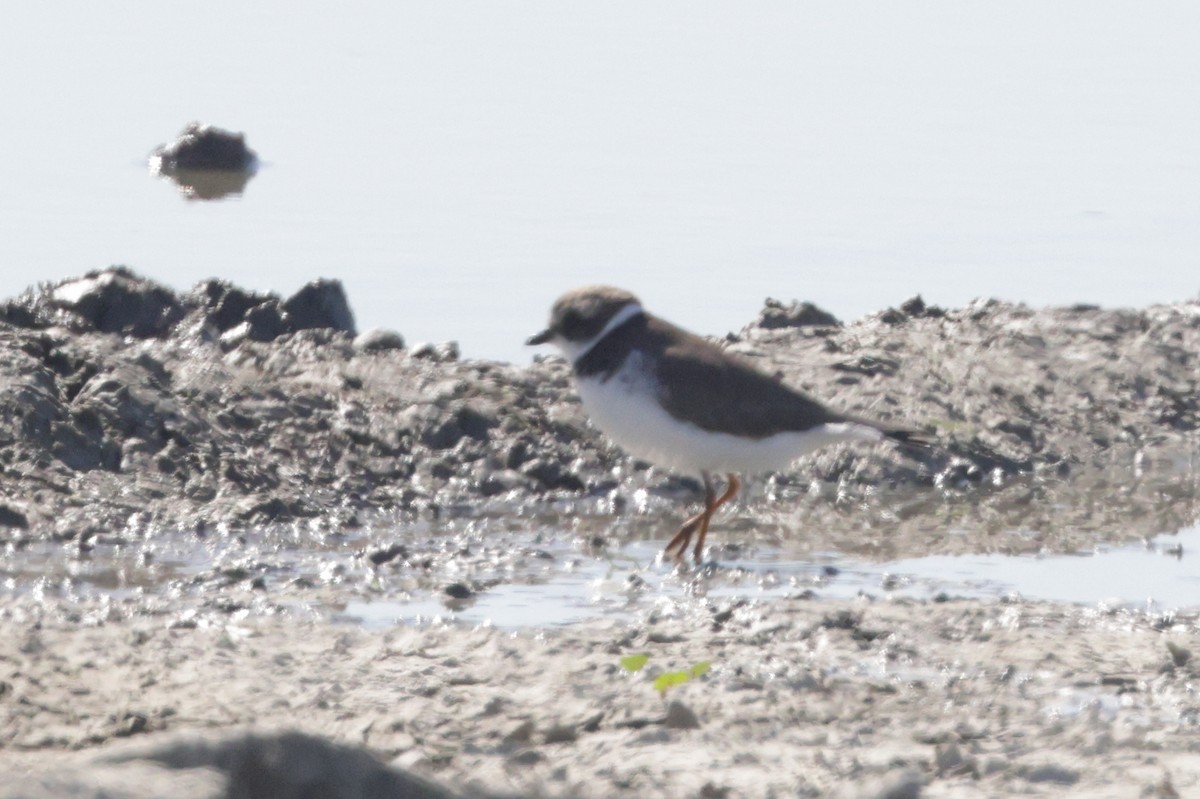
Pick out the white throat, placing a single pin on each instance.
(574, 350)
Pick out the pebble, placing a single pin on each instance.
(378, 340)
(680, 717)
(1049, 772)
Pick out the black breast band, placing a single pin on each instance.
(606, 355)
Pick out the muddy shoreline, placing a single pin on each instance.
(128, 407)
(183, 475)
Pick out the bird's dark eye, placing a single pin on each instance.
(570, 323)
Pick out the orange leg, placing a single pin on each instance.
(731, 489)
(700, 521)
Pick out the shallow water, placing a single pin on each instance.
(517, 580)
(459, 165)
(1156, 575)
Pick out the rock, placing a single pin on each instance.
(20, 313)
(378, 340)
(551, 475)
(501, 481)
(264, 322)
(560, 734)
(458, 591)
(917, 308)
(454, 423)
(680, 717)
(320, 304)
(11, 517)
(236, 335)
(1180, 655)
(1049, 772)
(116, 300)
(948, 760)
(132, 723)
(776, 315)
(239, 315)
(225, 304)
(527, 757)
(475, 422)
(516, 454)
(521, 734)
(901, 784)
(446, 352)
(286, 765)
(207, 163)
(82, 444)
(444, 434)
(277, 509)
(382, 556)
(199, 147)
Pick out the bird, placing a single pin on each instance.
(673, 398)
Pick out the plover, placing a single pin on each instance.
(670, 397)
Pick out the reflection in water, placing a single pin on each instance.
(206, 162)
(204, 184)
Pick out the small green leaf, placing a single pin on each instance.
(700, 669)
(670, 679)
(634, 663)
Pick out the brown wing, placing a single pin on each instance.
(731, 395)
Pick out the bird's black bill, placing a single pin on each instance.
(540, 338)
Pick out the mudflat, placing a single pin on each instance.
(192, 484)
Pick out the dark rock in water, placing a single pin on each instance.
(321, 303)
(775, 315)
(207, 163)
(201, 146)
(115, 300)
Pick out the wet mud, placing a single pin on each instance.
(200, 488)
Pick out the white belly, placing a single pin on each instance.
(625, 409)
